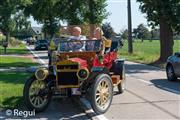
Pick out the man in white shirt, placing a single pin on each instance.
(76, 35)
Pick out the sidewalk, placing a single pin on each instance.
(19, 69)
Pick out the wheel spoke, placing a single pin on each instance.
(33, 98)
(98, 98)
(35, 101)
(98, 94)
(40, 100)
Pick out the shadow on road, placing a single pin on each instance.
(169, 86)
(140, 68)
(59, 109)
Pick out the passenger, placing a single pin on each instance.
(98, 35)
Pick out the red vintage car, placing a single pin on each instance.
(87, 68)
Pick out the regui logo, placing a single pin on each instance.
(20, 113)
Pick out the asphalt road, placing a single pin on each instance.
(148, 95)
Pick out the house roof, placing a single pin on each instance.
(37, 30)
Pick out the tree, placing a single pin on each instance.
(124, 34)
(135, 33)
(7, 9)
(22, 24)
(155, 34)
(142, 32)
(164, 13)
(21, 21)
(95, 12)
(72, 11)
(108, 30)
(45, 12)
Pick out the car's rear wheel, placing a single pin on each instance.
(122, 85)
(101, 93)
(170, 73)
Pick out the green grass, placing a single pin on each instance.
(145, 52)
(8, 61)
(20, 49)
(11, 89)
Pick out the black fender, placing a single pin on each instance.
(118, 66)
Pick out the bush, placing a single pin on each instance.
(14, 42)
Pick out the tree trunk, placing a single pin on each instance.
(6, 42)
(142, 40)
(166, 40)
(92, 28)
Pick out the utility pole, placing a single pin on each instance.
(130, 46)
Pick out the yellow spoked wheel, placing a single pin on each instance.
(36, 94)
(35, 91)
(101, 93)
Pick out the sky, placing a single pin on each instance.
(118, 15)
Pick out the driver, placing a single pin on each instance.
(76, 35)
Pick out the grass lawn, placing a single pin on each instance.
(8, 61)
(11, 89)
(145, 52)
(21, 49)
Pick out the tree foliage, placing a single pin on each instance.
(72, 11)
(21, 21)
(108, 30)
(141, 32)
(164, 13)
(124, 34)
(95, 11)
(168, 9)
(45, 12)
(7, 9)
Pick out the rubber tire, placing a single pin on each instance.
(122, 85)
(94, 86)
(173, 77)
(26, 96)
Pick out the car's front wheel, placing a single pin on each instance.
(101, 93)
(170, 73)
(36, 94)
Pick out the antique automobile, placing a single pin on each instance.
(88, 68)
(173, 67)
